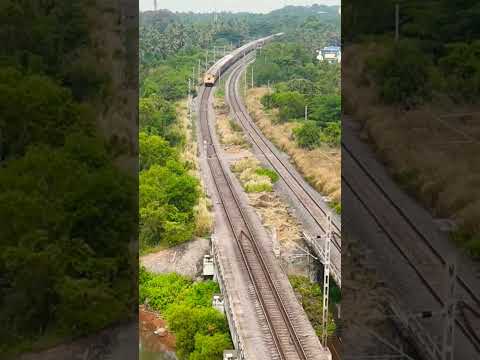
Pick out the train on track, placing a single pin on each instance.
(212, 75)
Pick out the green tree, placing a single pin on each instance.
(403, 72)
(308, 135)
(154, 150)
(325, 109)
(210, 347)
(187, 322)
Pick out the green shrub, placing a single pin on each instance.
(254, 187)
(201, 331)
(311, 299)
(268, 172)
(308, 135)
(331, 134)
(402, 73)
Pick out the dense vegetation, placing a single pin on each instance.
(164, 33)
(431, 71)
(300, 80)
(436, 51)
(171, 48)
(201, 331)
(311, 299)
(67, 214)
(168, 193)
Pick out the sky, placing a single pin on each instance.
(259, 6)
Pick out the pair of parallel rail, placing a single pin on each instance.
(287, 339)
(470, 300)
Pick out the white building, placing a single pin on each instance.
(330, 53)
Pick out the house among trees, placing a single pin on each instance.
(330, 53)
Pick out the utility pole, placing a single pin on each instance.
(206, 61)
(306, 112)
(194, 82)
(450, 308)
(326, 282)
(245, 84)
(189, 102)
(199, 65)
(214, 53)
(252, 77)
(397, 20)
(155, 5)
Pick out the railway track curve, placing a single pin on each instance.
(291, 178)
(286, 338)
(469, 301)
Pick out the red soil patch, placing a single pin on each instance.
(149, 322)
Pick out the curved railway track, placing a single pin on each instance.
(287, 340)
(291, 178)
(464, 326)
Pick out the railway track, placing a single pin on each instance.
(286, 338)
(469, 298)
(291, 178)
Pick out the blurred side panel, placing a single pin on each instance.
(68, 179)
(410, 171)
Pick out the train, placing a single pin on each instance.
(217, 69)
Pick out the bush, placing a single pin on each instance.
(324, 109)
(331, 134)
(402, 73)
(311, 299)
(208, 347)
(308, 135)
(291, 105)
(258, 186)
(201, 331)
(154, 150)
(461, 68)
(168, 195)
(268, 172)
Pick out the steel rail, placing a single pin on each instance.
(213, 159)
(473, 337)
(415, 228)
(251, 128)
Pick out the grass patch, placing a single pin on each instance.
(203, 219)
(253, 177)
(311, 298)
(337, 206)
(234, 125)
(268, 172)
(256, 187)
